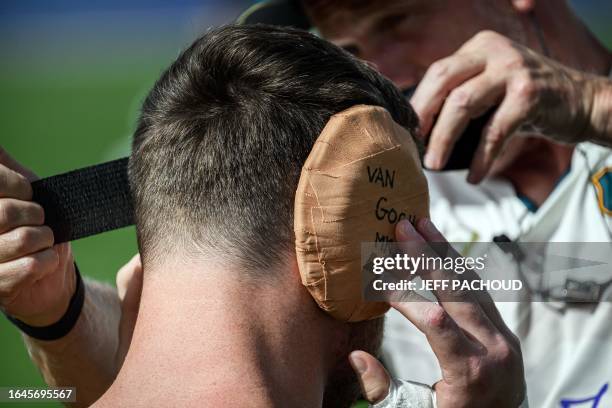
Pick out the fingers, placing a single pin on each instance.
(426, 228)
(14, 185)
(485, 70)
(429, 231)
(129, 289)
(22, 272)
(16, 213)
(506, 119)
(373, 378)
(441, 77)
(447, 340)
(413, 243)
(129, 278)
(464, 103)
(461, 305)
(23, 241)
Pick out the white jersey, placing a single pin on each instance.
(567, 351)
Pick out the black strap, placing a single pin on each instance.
(86, 201)
(78, 204)
(62, 327)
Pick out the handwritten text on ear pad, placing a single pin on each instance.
(361, 178)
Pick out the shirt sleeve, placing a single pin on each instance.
(407, 394)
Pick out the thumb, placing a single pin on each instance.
(129, 288)
(129, 280)
(373, 378)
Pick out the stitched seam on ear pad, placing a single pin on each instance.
(339, 149)
(319, 255)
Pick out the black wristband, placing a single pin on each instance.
(63, 326)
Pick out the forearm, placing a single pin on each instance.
(85, 357)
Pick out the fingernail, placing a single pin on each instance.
(358, 364)
(431, 160)
(429, 226)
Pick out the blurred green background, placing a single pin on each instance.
(72, 76)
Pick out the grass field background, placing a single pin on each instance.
(71, 81)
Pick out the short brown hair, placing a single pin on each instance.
(224, 132)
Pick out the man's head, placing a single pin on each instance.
(217, 156)
(404, 37)
(224, 133)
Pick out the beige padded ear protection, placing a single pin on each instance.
(361, 178)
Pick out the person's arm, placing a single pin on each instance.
(526, 89)
(85, 357)
(37, 283)
(91, 354)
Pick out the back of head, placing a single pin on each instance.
(225, 131)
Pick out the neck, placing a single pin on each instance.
(206, 334)
(536, 171)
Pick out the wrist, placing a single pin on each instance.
(53, 313)
(66, 322)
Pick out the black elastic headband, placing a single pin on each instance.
(284, 13)
(96, 199)
(86, 201)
